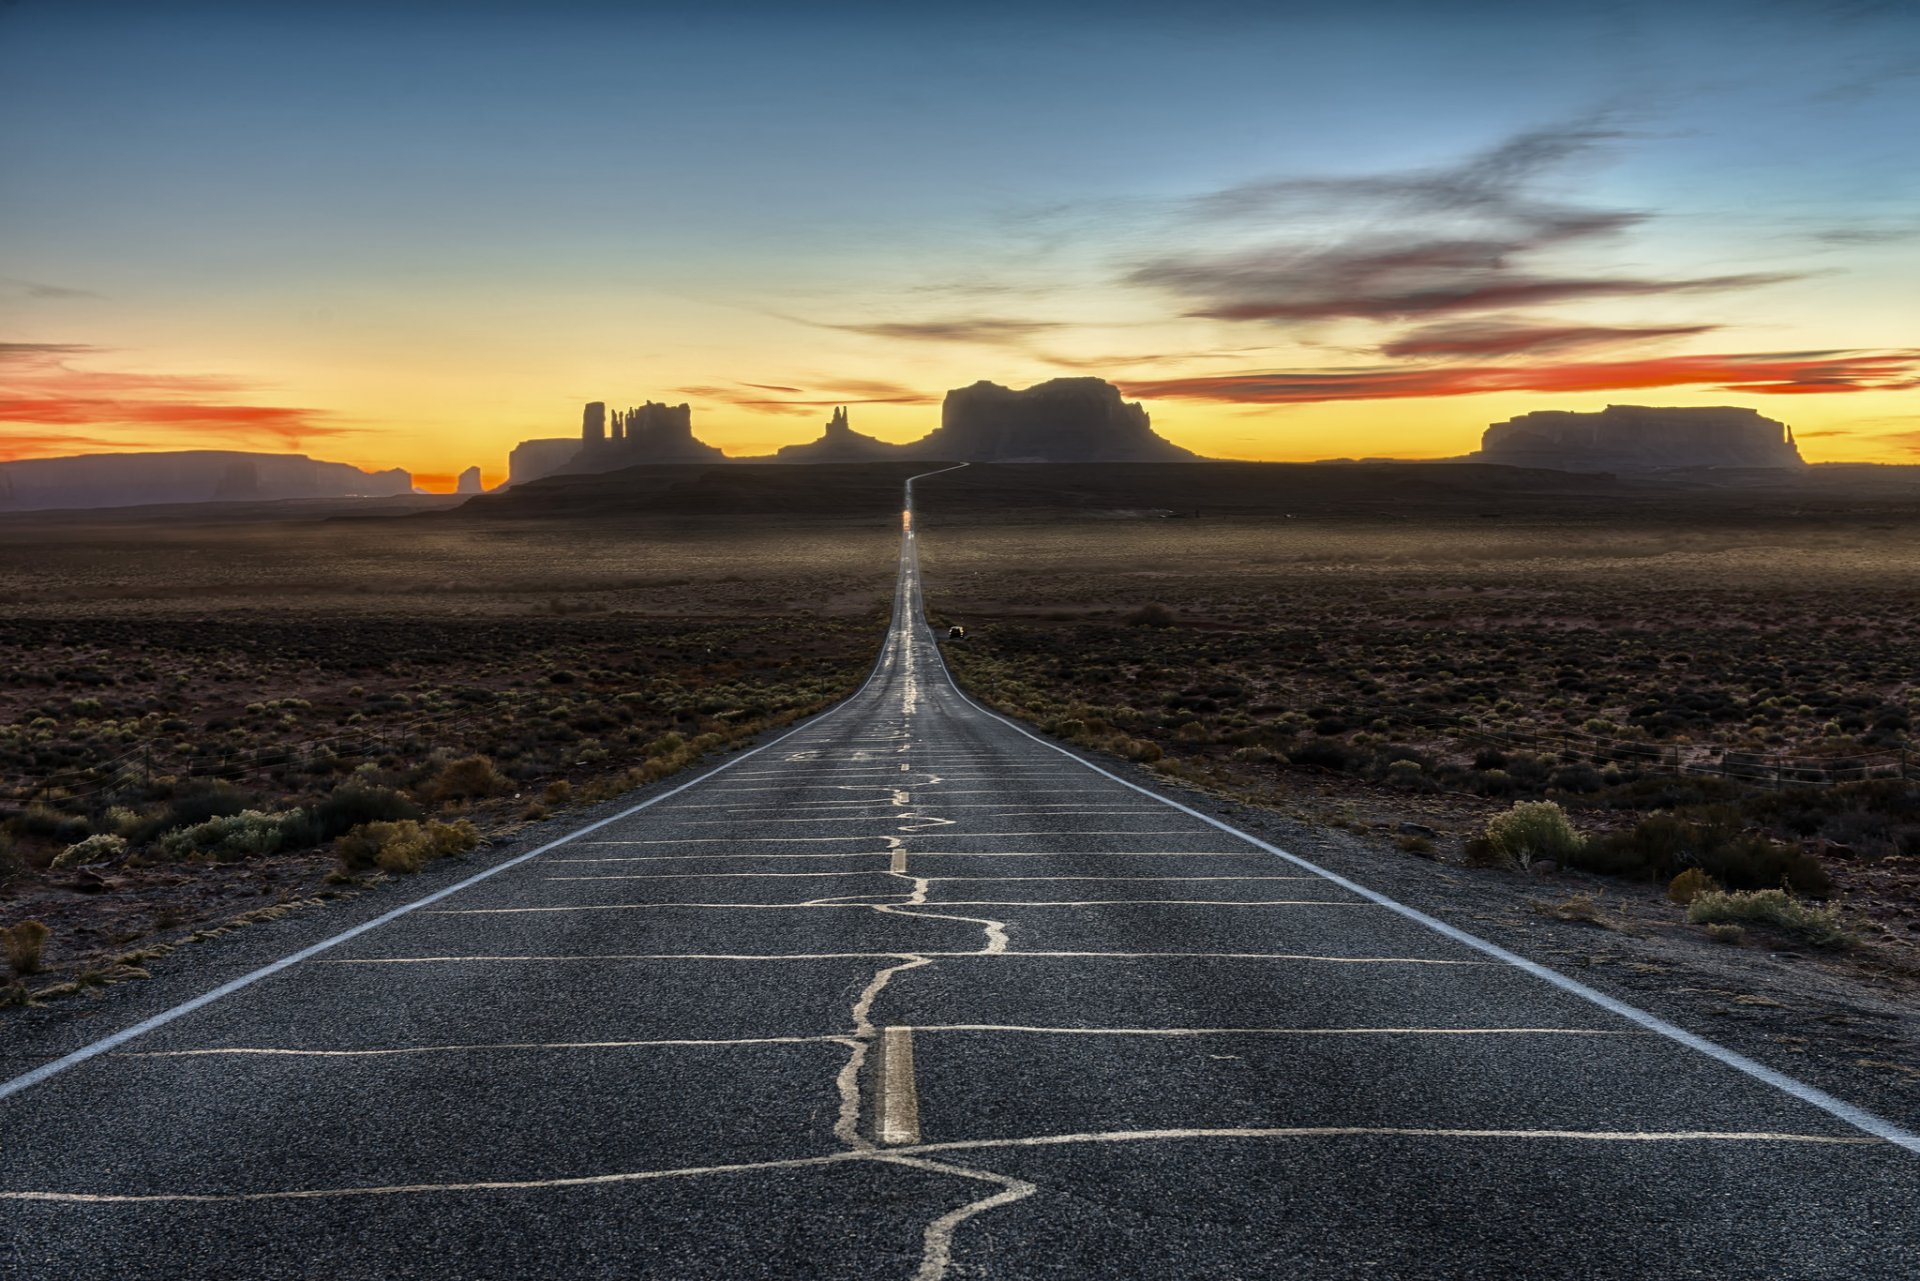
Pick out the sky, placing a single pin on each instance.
(414, 234)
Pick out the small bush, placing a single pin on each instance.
(558, 792)
(25, 944)
(355, 802)
(244, 835)
(468, 778)
(1155, 615)
(192, 805)
(1819, 926)
(404, 845)
(1574, 907)
(97, 848)
(1689, 885)
(1532, 831)
(1662, 846)
(44, 820)
(1325, 753)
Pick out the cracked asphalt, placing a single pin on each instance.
(910, 992)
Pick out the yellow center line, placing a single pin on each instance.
(898, 1098)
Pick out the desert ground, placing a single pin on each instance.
(219, 717)
(1701, 694)
(173, 672)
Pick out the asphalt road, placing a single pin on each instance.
(912, 993)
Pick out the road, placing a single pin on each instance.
(913, 993)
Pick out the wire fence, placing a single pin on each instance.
(1760, 769)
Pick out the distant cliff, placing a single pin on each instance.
(840, 443)
(532, 459)
(187, 476)
(1067, 420)
(1629, 438)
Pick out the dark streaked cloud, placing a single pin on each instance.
(1408, 246)
(988, 330)
(40, 353)
(1481, 339)
(1490, 184)
(1149, 358)
(1867, 235)
(1390, 287)
(826, 396)
(1777, 373)
(39, 289)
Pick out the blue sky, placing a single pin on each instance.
(433, 229)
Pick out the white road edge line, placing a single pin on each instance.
(45, 1071)
(1857, 1117)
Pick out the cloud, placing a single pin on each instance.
(1152, 358)
(1508, 338)
(39, 386)
(987, 330)
(1399, 282)
(827, 396)
(1867, 235)
(1780, 373)
(872, 390)
(40, 353)
(36, 289)
(1407, 246)
(17, 445)
(1489, 183)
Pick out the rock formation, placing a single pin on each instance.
(1630, 438)
(650, 433)
(185, 476)
(1067, 420)
(532, 459)
(469, 482)
(840, 443)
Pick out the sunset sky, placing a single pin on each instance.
(413, 234)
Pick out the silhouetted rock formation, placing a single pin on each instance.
(532, 459)
(469, 482)
(650, 433)
(662, 434)
(840, 443)
(1640, 438)
(185, 476)
(1067, 420)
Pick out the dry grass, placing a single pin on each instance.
(25, 945)
(1441, 668)
(195, 711)
(404, 846)
(1808, 922)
